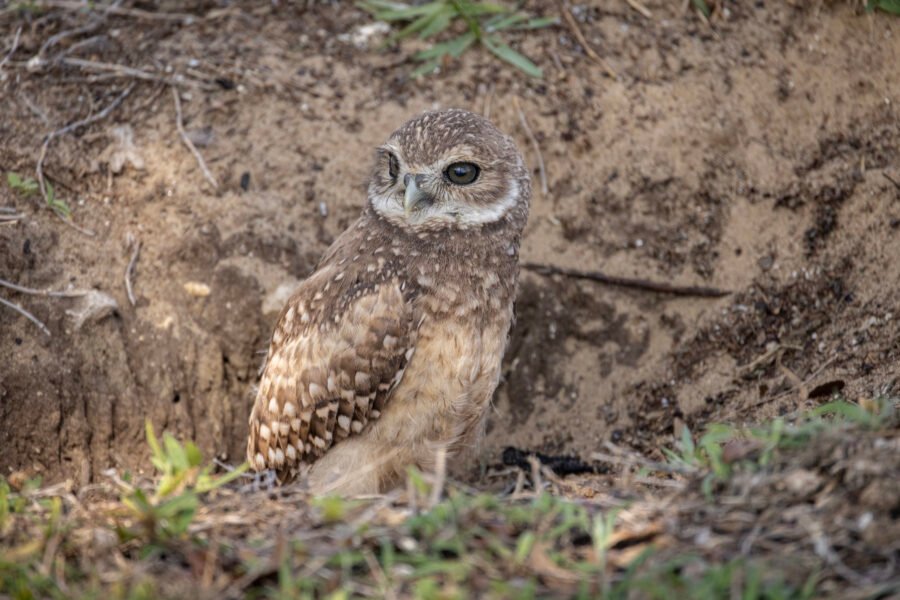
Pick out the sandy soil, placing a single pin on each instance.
(754, 156)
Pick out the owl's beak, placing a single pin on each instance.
(413, 196)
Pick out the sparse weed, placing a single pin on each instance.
(760, 443)
(888, 6)
(24, 185)
(483, 22)
(168, 512)
(733, 579)
(28, 186)
(702, 6)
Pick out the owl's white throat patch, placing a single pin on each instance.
(390, 206)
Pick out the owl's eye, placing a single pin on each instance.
(462, 173)
(393, 166)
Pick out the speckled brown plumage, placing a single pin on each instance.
(392, 348)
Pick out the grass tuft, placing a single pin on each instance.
(482, 23)
(190, 532)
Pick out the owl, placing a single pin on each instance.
(391, 349)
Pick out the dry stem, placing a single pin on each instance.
(640, 8)
(25, 314)
(534, 144)
(576, 31)
(67, 129)
(129, 270)
(49, 293)
(628, 282)
(12, 49)
(179, 123)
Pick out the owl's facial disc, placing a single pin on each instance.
(448, 169)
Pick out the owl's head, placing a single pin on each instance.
(449, 169)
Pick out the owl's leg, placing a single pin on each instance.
(355, 466)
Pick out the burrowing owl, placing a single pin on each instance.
(392, 348)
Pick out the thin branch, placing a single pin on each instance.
(187, 141)
(576, 31)
(131, 72)
(25, 314)
(805, 382)
(38, 58)
(8, 214)
(36, 292)
(117, 10)
(34, 108)
(630, 460)
(640, 8)
(628, 282)
(892, 180)
(67, 129)
(534, 143)
(12, 50)
(129, 270)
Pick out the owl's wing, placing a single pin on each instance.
(326, 378)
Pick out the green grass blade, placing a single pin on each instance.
(506, 53)
(175, 452)
(153, 442)
(482, 8)
(539, 23)
(439, 23)
(426, 68)
(409, 13)
(888, 6)
(454, 47)
(413, 28)
(501, 22)
(702, 6)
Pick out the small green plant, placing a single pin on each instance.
(24, 185)
(708, 452)
(702, 6)
(168, 512)
(483, 22)
(888, 6)
(28, 186)
(55, 203)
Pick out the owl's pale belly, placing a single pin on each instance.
(442, 401)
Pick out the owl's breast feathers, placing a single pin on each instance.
(347, 335)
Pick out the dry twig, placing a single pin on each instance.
(12, 49)
(68, 129)
(640, 8)
(38, 59)
(131, 72)
(576, 31)
(25, 314)
(892, 180)
(8, 215)
(629, 460)
(73, 5)
(179, 123)
(49, 293)
(534, 144)
(129, 270)
(795, 387)
(745, 371)
(628, 282)
(35, 109)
